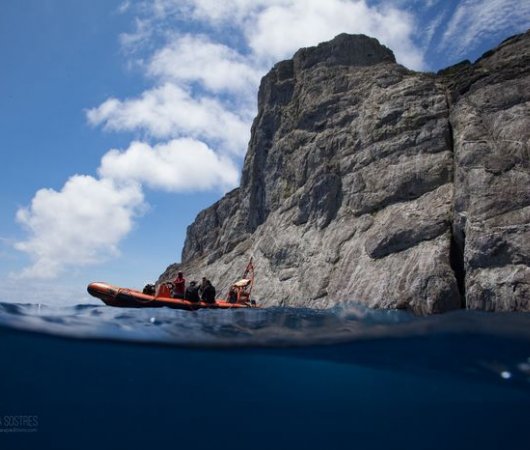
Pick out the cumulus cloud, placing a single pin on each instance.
(85, 221)
(274, 29)
(279, 30)
(177, 166)
(170, 111)
(473, 20)
(79, 225)
(197, 59)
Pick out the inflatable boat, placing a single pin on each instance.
(239, 295)
(130, 298)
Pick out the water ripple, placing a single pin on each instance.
(255, 327)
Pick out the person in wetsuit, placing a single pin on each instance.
(208, 292)
(192, 292)
(232, 295)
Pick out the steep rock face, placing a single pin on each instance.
(490, 116)
(352, 188)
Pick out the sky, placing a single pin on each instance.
(120, 120)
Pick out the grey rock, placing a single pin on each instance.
(402, 226)
(490, 118)
(366, 181)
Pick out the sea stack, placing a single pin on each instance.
(365, 181)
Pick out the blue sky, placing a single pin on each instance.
(120, 120)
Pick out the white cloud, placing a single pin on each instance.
(474, 20)
(141, 34)
(278, 31)
(85, 221)
(169, 111)
(275, 29)
(190, 59)
(79, 225)
(177, 166)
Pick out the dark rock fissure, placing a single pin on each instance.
(458, 238)
(456, 259)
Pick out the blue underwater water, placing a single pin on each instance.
(94, 377)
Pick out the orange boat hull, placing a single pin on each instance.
(130, 298)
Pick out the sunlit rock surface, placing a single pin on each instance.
(366, 181)
(490, 117)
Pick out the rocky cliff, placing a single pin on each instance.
(366, 181)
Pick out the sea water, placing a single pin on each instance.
(94, 377)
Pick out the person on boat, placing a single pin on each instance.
(179, 286)
(149, 289)
(208, 292)
(232, 295)
(192, 292)
(202, 286)
(239, 292)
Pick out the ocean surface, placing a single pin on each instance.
(96, 377)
